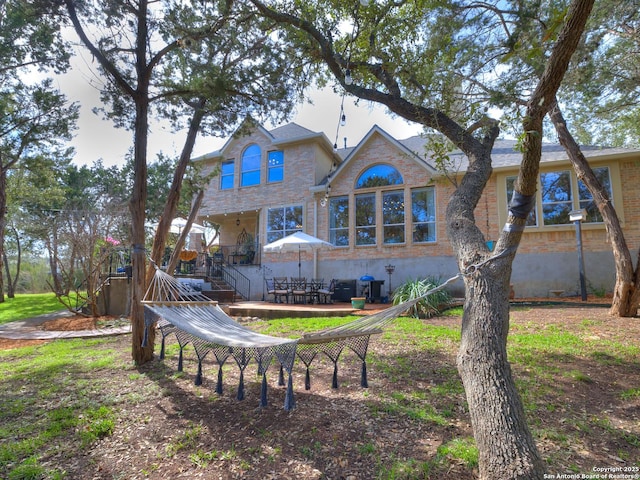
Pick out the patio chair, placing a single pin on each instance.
(314, 286)
(298, 287)
(281, 289)
(271, 289)
(324, 294)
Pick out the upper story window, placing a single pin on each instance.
(380, 175)
(227, 172)
(423, 214)
(275, 166)
(339, 221)
(250, 173)
(283, 221)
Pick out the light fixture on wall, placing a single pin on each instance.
(238, 220)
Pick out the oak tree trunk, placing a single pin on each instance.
(141, 354)
(505, 444)
(171, 205)
(3, 219)
(175, 256)
(626, 295)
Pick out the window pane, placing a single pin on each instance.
(227, 167)
(275, 166)
(556, 197)
(586, 199)
(339, 221)
(424, 232)
(275, 219)
(366, 219)
(251, 166)
(283, 221)
(423, 215)
(250, 178)
(379, 176)
(393, 217)
(226, 174)
(293, 219)
(532, 219)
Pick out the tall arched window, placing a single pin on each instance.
(391, 201)
(251, 159)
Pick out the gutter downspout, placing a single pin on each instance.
(315, 234)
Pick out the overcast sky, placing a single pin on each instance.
(97, 138)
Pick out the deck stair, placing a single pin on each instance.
(220, 291)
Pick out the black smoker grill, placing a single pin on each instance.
(371, 288)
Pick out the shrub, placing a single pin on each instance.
(428, 306)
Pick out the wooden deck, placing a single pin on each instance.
(269, 310)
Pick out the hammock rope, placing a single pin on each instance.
(195, 319)
(175, 308)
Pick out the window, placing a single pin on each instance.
(251, 166)
(275, 166)
(227, 170)
(557, 200)
(532, 220)
(557, 197)
(423, 215)
(379, 176)
(339, 221)
(366, 219)
(586, 199)
(393, 217)
(283, 221)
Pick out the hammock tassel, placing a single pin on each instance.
(289, 400)
(307, 380)
(281, 376)
(241, 386)
(334, 382)
(180, 360)
(162, 348)
(219, 382)
(363, 376)
(263, 391)
(198, 380)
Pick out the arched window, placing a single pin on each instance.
(251, 159)
(379, 175)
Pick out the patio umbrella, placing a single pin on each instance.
(178, 224)
(297, 241)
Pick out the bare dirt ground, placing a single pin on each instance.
(178, 430)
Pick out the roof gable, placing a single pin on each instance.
(279, 136)
(349, 153)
